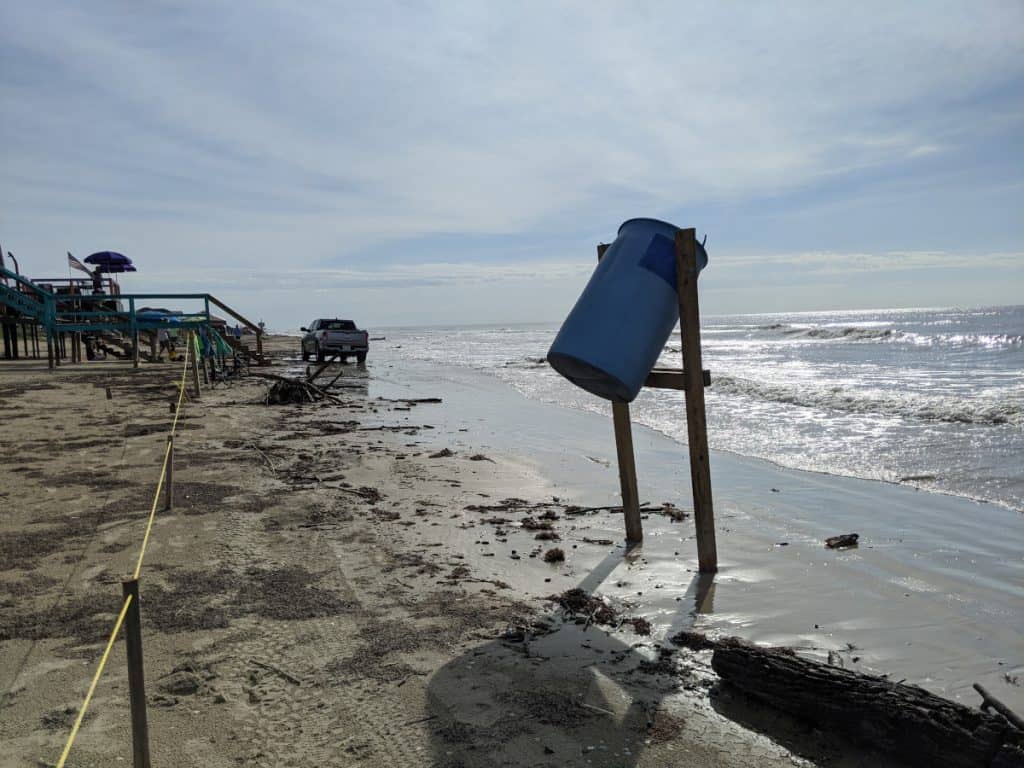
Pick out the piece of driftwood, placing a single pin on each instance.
(291, 390)
(843, 541)
(908, 722)
(988, 700)
(320, 369)
(277, 671)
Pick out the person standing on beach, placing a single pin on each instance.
(164, 340)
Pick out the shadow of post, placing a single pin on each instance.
(590, 696)
(577, 695)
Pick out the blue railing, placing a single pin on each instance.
(96, 313)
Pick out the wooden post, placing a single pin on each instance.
(170, 475)
(627, 472)
(194, 365)
(627, 461)
(134, 332)
(136, 678)
(51, 360)
(696, 419)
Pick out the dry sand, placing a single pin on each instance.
(310, 600)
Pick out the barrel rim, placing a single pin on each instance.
(647, 218)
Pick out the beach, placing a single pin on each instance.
(353, 583)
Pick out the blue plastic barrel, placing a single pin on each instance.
(618, 328)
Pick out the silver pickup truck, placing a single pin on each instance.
(325, 338)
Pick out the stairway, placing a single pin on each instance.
(22, 303)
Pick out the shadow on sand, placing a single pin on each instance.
(573, 694)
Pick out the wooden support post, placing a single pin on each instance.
(696, 418)
(194, 365)
(50, 357)
(136, 678)
(627, 472)
(627, 461)
(170, 476)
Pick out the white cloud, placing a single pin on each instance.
(825, 262)
(223, 135)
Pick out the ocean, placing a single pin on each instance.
(932, 398)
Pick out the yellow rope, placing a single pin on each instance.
(138, 569)
(163, 469)
(181, 387)
(95, 680)
(152, 511)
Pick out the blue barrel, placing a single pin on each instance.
(618, 328)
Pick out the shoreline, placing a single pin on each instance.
(329, 544)
(913, 547)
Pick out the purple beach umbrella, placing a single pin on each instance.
(110, 262)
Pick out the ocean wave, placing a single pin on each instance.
(861, 333)
(983, 340)
(849, 333)
(527, 362)
(1005, 409)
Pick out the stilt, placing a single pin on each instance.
(696, 418)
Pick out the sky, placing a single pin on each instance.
(439, 163)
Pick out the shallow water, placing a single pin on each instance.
(932, 594)
(931, 398)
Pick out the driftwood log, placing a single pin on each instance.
(916, 726)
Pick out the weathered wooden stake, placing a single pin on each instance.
(696, 418)
(170, 475)
(627, 472)
(136, 678)
(194, 365)
(627, 462)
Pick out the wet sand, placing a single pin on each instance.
(328, 593)
(932, 594)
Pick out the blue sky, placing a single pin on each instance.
(457, 162)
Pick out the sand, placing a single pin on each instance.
(330, 591)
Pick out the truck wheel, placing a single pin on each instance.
(319, 354)
(361, 358)
(305, 355)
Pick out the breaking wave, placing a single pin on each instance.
(860, 333)
(1006, 409)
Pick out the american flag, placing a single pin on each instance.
(74, 263)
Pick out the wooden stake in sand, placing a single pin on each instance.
(136, 678)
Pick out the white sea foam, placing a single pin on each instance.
(886, 395)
